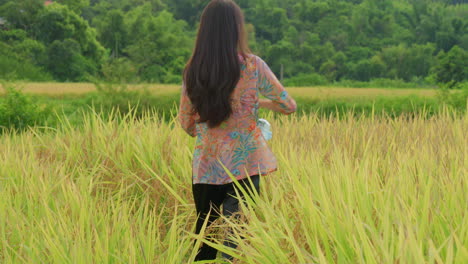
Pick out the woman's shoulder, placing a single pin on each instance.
(255, 61)
(251, 60)
(250, 57)
(248, 63)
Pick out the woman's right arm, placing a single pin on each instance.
(278, 99)
(271, 105)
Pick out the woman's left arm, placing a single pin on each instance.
(186, 115)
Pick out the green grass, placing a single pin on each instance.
(379, 105)
(325, 102)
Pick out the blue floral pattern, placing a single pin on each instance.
(234, 134)
(284, 95)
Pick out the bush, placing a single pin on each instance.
(454, 98)
(392, 107)
(452, 68)
(391, 83)
(12, 67)
(382, 83)
(306, 80)
(120, 70)
(18, 111)
(118, 99)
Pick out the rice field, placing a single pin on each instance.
(56, 89)
(349, 190)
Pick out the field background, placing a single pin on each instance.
(372, 166)
(56, 89)
(89, 186)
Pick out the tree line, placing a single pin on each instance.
(307, 41)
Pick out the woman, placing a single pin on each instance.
(219, 105)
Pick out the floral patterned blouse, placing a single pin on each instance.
(237, 144)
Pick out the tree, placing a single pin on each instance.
(21, 57)
(187, 10)
(21, 14)
(354, 39)
(271, 22)
(113, 33)
(66, 62)
(58, 23)
(74, 5)
(160, 46)
(452, 67)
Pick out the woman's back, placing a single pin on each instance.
(219, 105)
(237, 143)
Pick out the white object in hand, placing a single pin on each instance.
(266, 128)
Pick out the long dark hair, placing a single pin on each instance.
(213, 71)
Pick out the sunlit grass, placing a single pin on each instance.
(83, 88)
(349, 190)
(308, 92)
(337, 92)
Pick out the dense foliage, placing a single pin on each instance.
(19, 111)
(308, 42)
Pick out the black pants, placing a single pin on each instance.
(208, 200)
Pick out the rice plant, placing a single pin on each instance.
(348, 190)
